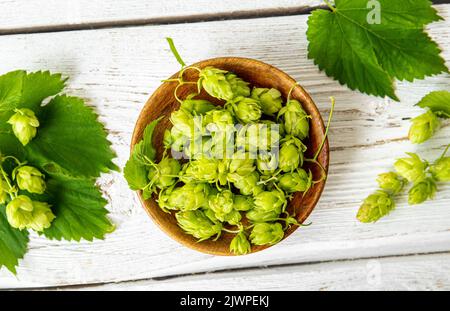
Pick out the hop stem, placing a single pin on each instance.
(175, 52)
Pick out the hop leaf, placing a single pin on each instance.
(24, 124)
(441, 169)
(423, 127)
(240, 245)
(270, 100)
(30, 179)
(437, 102)
(266, 233)
(198, 225)
(375, 206)
(412, 168)
(391, 182)
(422, 191)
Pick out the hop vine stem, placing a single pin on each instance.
(332, 8)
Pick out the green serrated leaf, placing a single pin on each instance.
(135, 173)
(368, 56)
(10, 90)
(79, 208)
(39, 85)
(13, 243)
(71, 140)
(438, 102)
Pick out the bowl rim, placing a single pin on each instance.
(136, 137)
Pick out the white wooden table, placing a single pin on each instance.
(115, 54)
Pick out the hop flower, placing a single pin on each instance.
(240, 245)
(375, 206)
(23, 213)
(197, 106)
(30, 179)
(422, 191)
(412, 168)
(270, 100)
(423, 127)
(238, 86)
(266, 233)
(268, 206)
(242, 203)
(197, 224)
(205, 170)
(291, 154)
(221, 203)
(220, 117)
(267, 162)
(295, 119)
(189, 197)
(246, 110)
(296, 181)
(441, 169)
(248, 185)
(24, 124)
(215, 83)
(168, 168)
(183, 123)
(241, 163)
(391, 182)
(233, 218)
(4, 189)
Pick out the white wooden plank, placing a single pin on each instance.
(20, 14)
(117, 69)
(423, 272)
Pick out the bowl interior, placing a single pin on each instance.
(259, 74)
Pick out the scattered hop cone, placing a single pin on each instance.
(375, 206)
(189, 197)
(296, 181)
(221, 203)
(423, 127)
(270, 100)
(266, 233)
(23, 213)
(238, 86)
(412, 168)
(391, 182)
(30, 179)
(240, 245)
(441, 169)
(24, 124)
(422, 191)
(4, 189)
(215, 83)
(197, 224)
(246, 110)
(295, 119)
(242, 203)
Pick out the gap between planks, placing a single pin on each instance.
(169, 20)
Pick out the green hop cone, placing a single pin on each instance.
(23, 213)
(241, 164)
(423, 127)
(215, 83)
(238, 86)
(233, 218)
(268, 206)
(422, 191)
(243, 203)
(248, 185)
(291, 154)
(221, 203)
(240, 244)
(197, 224)
(196, 106)
(168, 168)
(267, 162)
(295, 119)
(30, 179)
(183, 123)
(412, 168)
(391, 182)
(201, 170)
(24, 124)
(189, 197)
(4, 190)
(266, 233)
(441, 169)
(246, 110)
(375, 206)
(297, 181)
(270, 100)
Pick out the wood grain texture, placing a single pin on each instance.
(421, 272)
(117, 69)
(59, 14)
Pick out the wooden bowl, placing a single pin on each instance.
(162, 103)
